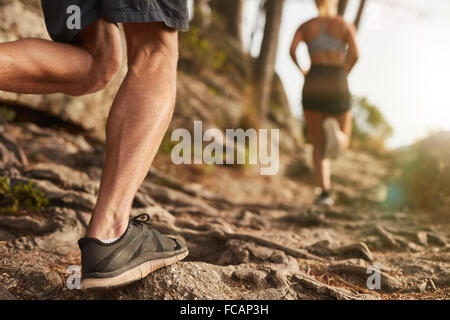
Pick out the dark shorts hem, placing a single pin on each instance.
(332, 105)
(328, 111)
(146, 17)
(89, 19)
(173, 13)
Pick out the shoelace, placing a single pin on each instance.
(143, 218)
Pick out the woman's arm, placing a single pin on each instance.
(353, 52)
(298, 37)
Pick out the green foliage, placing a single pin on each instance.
(370, 127)
(7, 114)
(13, 199)
(204, 51)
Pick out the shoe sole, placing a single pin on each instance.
(131, 275)
(325, 204)
(332, 144)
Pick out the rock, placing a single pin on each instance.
(355, 250)
(5, 235)
(59, 197)
(422, 238)
(64, 239)
(10, 172)
(63, 176)
(251, 220)
(238, 252)
(387, 239)
(339, 213)
(309, 288)
(27, 223)
(422, 286)
(40, 283)
(179, 282)
(308, 218)
(169, 196)
(5, 295)
(74, 200)
(283, 293)
(442, 279)
(278, 278)
(10, 153)
(250, 277)
(142, 200)
(436, 239)
(321, 248)
(33, 277)
(84, 218)
(417, 269)
(24, 243)
(359, 275)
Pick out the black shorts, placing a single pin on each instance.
(326, 90)
(66, 18)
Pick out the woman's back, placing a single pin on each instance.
(327, 39)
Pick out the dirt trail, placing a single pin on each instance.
(250, 237)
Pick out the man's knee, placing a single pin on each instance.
(150, 45)
(102, 41)
(98, 78)
(102, 76)
(151, 57)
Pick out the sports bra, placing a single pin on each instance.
(326, 42)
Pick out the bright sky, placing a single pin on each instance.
(404, 67)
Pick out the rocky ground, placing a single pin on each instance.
(249, 237)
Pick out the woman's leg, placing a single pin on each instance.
(313, 120)
(346, 124)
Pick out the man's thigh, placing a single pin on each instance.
(173, 13)
(66, 18)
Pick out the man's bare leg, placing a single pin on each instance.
(136, 124)
(41, 66)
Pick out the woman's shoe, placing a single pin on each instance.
(325, 199)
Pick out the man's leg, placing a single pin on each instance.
(41, 66)
(136, 124)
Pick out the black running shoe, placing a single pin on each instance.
(325, 199)
(138, 252)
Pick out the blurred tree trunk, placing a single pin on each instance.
(232, 13)
(342, 7)
(361, 8)
(264, 67)
(202, 14)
